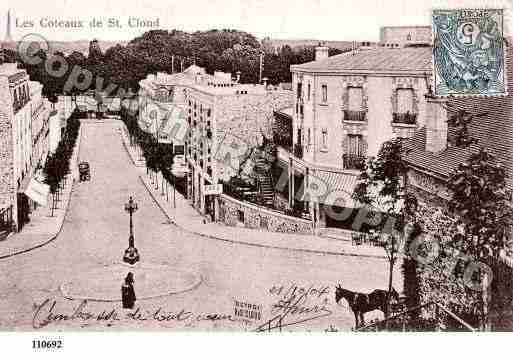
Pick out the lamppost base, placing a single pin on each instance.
(131, 255)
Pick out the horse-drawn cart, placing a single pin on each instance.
(84, 171)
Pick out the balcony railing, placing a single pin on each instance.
(406, 118)
(353, 162)
(357, 116)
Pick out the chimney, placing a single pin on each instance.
(321, 52)
(436, 124)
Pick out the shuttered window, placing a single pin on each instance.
(405, 100)
(355, 98)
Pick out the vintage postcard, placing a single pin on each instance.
(331, 166)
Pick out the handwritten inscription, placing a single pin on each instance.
(296, 305)
(46, 313)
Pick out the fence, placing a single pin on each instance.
(424, 317)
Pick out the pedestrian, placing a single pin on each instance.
(128, 292)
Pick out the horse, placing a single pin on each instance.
(362, 303)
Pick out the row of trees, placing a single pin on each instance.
(57, 164)
(167, 51)
(158, 156)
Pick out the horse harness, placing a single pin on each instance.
(356, 296)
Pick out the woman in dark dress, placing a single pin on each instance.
(127, 291)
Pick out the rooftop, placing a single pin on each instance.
(376, 60)
(493, 132)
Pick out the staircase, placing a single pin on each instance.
(265, 182)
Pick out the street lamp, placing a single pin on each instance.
(131, 254)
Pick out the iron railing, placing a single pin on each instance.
(353, 162)
(406, 118)
(355, 116)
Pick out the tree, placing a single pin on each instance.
(480, 201)
(382, 185)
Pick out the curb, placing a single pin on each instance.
(68, 296)
(54, 237)
(208, 236)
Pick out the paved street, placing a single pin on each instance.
(94, 238)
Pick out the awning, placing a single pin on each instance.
(339, 187)
(35, 190)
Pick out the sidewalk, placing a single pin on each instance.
(43, 228)
(186, 217)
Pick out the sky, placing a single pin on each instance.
(358, 20)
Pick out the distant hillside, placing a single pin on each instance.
(67, 47)
(278, 43)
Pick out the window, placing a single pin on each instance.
(405, 100)
(324, 140)
(408, 37)
(355, 98)
(299, 89)
(309, 91)
(309, 138)
(355, 145)
(324, 93)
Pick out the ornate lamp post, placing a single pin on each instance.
(131, 255)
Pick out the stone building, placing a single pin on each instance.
(345, 107)
(24, 117)
(226, 119)
(160, 94)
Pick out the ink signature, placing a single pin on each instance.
(294, 307)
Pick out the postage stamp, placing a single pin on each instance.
(255, 166)
(468, 52)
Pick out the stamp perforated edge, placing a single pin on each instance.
(505, 55)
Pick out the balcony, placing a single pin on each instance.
(355, 116)
(353, 162)
(406, 118)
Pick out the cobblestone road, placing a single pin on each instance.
(95, 235)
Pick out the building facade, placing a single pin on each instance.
(24, 117)
(345, 107)
(163, 94)
(226, 119)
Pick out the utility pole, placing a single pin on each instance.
(181, 65)
(172, 64)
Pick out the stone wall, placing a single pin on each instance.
(256, 217)
(242, 120)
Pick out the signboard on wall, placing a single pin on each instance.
(213, 189)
